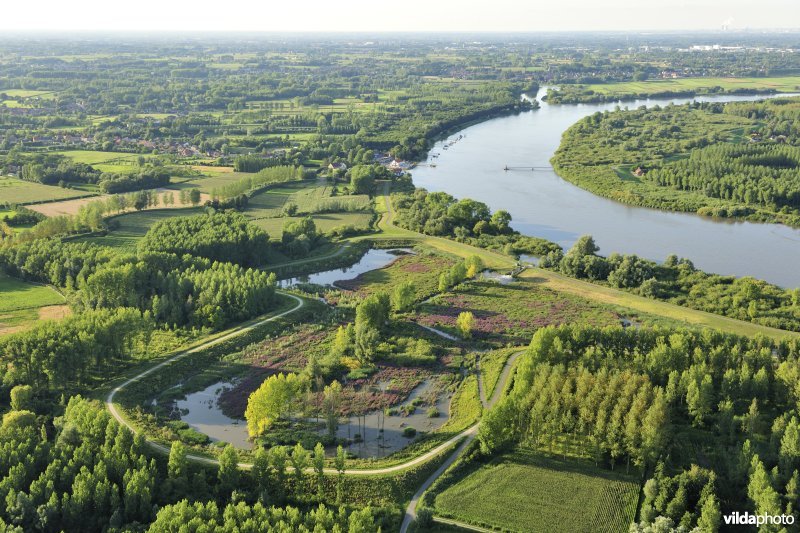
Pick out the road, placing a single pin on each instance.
(470, 434)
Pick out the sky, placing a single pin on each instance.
(397, 16)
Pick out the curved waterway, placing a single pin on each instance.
(542, 204)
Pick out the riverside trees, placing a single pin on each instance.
(678, 281)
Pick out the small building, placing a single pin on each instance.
(639, 172)
(337, 166)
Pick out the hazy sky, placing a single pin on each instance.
(398, 15)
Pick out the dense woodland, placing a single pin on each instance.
(638, 396)
(176, 290)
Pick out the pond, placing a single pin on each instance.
(372, 260)
(542, 204)
(201, 411)
(375, 443)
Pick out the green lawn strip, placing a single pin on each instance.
(492, 364)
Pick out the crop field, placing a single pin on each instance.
(270, 202)
(27, 93)
(133, 226)
(92, 157)
(211, 181)
(324, 221)
(510, 314)
(15, 191)
(781, 84)
(524, 491)
(18, 294)
(23, 303)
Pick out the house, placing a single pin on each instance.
(639, 172)
(397, 164)
(337, 166)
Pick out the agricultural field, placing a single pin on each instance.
(524, 491)
(210, 181)
(23, 303)
(784, 84)
(269, 203)
(92, 157)
(16, 191)
(510, 314)
(130, 227)
(325, 222)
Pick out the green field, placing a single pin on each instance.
(133, 226)
(211, 181)
(307, 198)
(20, 302)
(92, 157)
(15, 191)
(780, 84)
(26, 93)
(324, 221)
(17, 294)
(269, 203)
(523, 491)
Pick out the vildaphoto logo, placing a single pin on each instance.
(747, 519)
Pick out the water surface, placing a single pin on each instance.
(543, 204)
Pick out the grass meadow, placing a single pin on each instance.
(16, 191)
(527, 492)
(131, 227)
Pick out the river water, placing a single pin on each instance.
(542, 204)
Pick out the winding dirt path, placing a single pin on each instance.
(160, 448)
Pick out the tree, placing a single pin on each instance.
(177, 468)
(332, 397)
(228, 472)
(366, 341)
(362, 179)
(278, 458)
(339, 461)
(21, 397)
(194, 196)
(300, 459)
(261, 475)
(319, 469)
(585, 245)
(373, 311)
(700, 399)
(403, 296)
(710, 515)
(750, 422)
(141, 200)
(465, 323)
(501, 221)
(274, 400)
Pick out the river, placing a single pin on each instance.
(542, 204)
